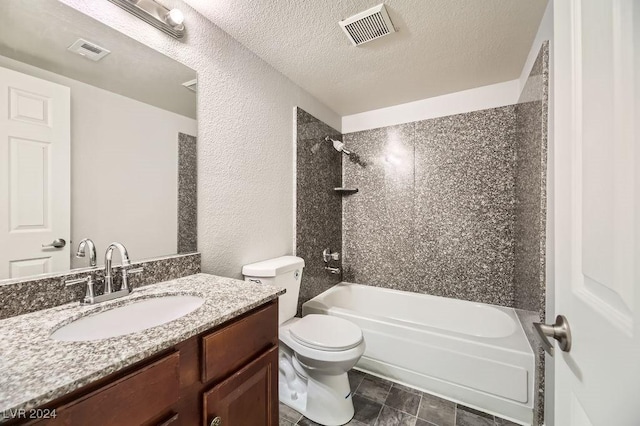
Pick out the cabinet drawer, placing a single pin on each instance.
(248, 397)
(229, 348)
(131, 400)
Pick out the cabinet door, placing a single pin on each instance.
(241, 340)
(132, 400)
(248, 397)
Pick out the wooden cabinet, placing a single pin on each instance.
(134, 399)
(240, 342)
(230, 372)
(248, 397)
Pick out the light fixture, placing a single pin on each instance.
(153, 13)
(175, 18)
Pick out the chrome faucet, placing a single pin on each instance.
(327, 257)
(85, 244)
(108, 271)
(109, 292)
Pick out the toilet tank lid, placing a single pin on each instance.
(273, 267)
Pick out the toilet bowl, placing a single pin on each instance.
(315, 352)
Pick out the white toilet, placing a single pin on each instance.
(315, 351)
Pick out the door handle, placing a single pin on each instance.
(559, 331)
(57, 243)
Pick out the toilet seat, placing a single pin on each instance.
(326, 333)
(304, 350)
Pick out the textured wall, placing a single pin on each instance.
(530, 179)
(318, 206)
(435, 209)
(245, 137)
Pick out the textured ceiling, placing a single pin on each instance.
(442, 46)
(38, 32)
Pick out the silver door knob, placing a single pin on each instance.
(217, 421)
(559, 331)
(57, 243)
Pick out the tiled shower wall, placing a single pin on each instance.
(435, 208)
(531, 206)
(530, 178)
(452, 206)
(318, 206)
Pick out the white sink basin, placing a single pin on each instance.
(127, 319)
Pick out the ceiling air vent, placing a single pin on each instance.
(88, 50)
(368, 25)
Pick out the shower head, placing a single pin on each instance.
(338, 146)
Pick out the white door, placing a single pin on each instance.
(597, 210)
(34, 175)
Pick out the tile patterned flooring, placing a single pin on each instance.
(379, 402)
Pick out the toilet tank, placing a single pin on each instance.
(284, 271)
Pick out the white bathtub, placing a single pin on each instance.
(467, 352)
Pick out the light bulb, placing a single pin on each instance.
(175, 18)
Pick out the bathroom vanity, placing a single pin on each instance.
(216, 365)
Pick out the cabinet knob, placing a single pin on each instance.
(217, 421)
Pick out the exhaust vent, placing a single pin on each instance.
(88, 50)
(368, 25)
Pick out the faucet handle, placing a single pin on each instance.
(328, 255)
(126, 272)
(90, 293)
(69, 283)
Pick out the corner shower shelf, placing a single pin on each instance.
(346, 191)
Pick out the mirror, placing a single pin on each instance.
(97, 140)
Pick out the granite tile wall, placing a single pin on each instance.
(435, 208)
(378, 222)
(464, 205)
(21, 296)
(187, 194)
(454, 206)
(530, 180)
(527, 318)
(531, 206)
(318, 206)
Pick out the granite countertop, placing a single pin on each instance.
(35, 369)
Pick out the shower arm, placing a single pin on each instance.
(338, 146)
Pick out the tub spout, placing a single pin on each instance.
(332, 270)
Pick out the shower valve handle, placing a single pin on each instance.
(327, 255)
